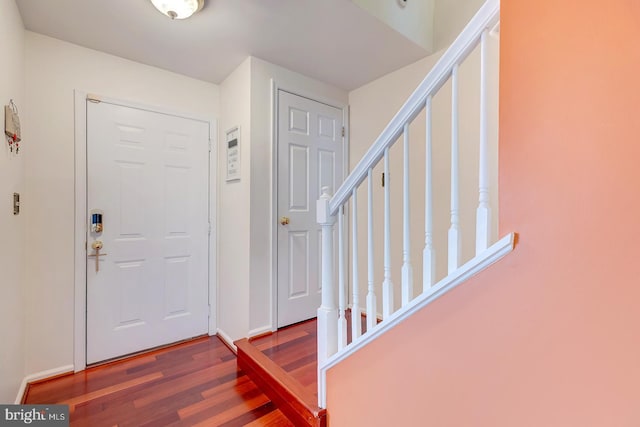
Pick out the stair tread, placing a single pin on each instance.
(294, 399)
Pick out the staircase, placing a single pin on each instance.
(333, 343)
(284, 366)
(337, 338)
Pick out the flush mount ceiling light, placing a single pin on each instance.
(178, 9)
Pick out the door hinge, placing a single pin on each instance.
(343, 132)
(209, 229)
(94, 99)
(210, 145)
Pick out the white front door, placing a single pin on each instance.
(310, 156)
(147, 175)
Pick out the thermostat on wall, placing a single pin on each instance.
(233, 154)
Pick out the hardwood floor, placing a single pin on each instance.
(196, 383)
(294, 349)
(284, 365)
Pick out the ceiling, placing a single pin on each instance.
(331, 40)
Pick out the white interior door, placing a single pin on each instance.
(147, 172)
(310, 156)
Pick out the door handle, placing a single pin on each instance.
(284, 220)
(97, 246)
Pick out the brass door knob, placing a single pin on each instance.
(284, 220)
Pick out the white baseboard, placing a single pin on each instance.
(260, 331)
(227, 339)
(41, 376)
(363, 312)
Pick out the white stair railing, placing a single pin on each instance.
(483, 215)
(429, 252)
(356, 324)
(332, 325)
(372, 301)
(455, 238)
(407, 270)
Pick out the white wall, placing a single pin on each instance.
(372, 106)
(415, 20)
(53, 70)
(451, 16)
(432, 24)
(262, 73)
(12, 254)
(38, 260)
(233, 208)
(245, 258)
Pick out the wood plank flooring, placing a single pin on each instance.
(196, 383)
(294, 349)
(284, 365)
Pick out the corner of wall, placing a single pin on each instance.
(12, 227)
(414, 20)
(264, 77)
(234, 208)
(450, 17)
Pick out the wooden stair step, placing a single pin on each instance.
(291, 397)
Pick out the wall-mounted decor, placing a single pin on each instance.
(12, 126)
(233, 153)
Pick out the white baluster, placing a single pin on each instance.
(454, 230)
(407, 269)
(429, 253)
(327, 313)
(342, 320)
(483, 214)
(371, 295)
(387, 285)
(356, 324)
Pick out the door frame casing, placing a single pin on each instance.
(80, 220)
(275, 105)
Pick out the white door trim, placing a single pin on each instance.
(80, 220)
(275, 88)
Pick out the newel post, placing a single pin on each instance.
(328, 312)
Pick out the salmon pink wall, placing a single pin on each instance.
(549, 336)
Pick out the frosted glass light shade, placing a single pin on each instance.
(178, 9)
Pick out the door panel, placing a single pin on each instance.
(298, 264)
(326, 170)
(310, 156)
(299, 178)
(148, 173)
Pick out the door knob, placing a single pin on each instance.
(284, 220)
(96, 246)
